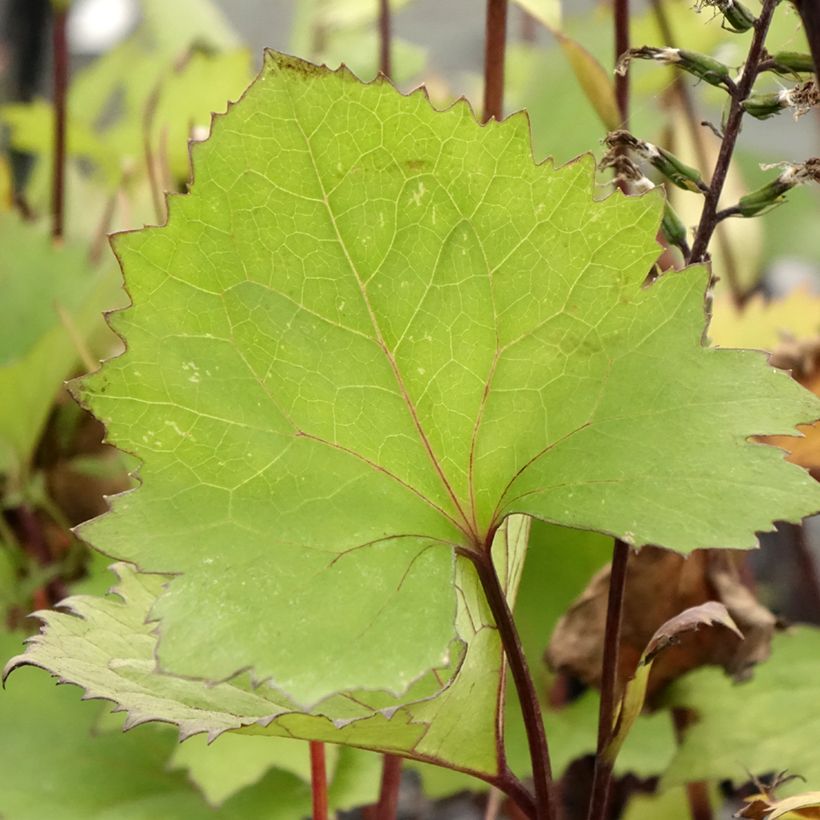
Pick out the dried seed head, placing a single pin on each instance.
(801, 99)
(661, 55)
(667, 163)
(773, 193)
(625, 171)
(618, 140)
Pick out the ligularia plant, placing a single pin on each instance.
(370, 343)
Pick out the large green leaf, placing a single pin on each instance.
(768, 724)
(371, 332)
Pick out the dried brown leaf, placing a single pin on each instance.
(660, 585)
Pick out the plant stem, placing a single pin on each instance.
(389, 795)
(696, 135)
(708, 218)
(621, 47)
(318, 780)
(385, 61)
(494, 47)
(545, 808)
(602, 775)
(60, 57)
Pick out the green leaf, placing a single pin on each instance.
(54, 762)
(390, 355)
(767, 724)
(52, 301)
(234, 762)
(372, 333)
(560, 562)
(110, 648)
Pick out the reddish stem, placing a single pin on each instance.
(696, 136)
(602, 775)
(60, 55)
(494, 47)
(388, 804)
(708, 218)
(318, 780)
(621, 47)
(545, 807)
(385, 61)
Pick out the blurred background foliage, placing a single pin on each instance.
(145, 77)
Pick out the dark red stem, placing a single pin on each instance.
(385, 61)
(602, 775)
(545, 808)
(318, 780)
(60, 55)
(708, 218)
(495, 44)
(622, 46)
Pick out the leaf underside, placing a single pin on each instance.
(371, 333)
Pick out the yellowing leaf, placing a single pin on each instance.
(547, 12)
(594, 79)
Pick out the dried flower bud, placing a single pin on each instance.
(736, 17)
(662, 160)
(802, 98)
(700, 65)
(772, 194)
(625, 171)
